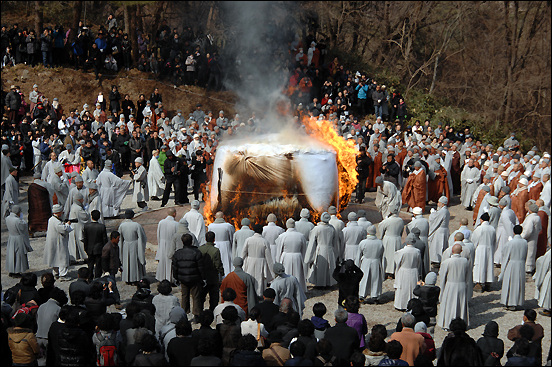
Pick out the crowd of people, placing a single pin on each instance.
(261, 272)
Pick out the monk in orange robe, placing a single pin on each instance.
(439, 185)
(535, 190)
(484, 190)
(241, 282)
(414, 192)
(515, 179)
(519, 197)
(378, 163)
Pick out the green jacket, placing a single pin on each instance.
(212, 263)
(162, 158)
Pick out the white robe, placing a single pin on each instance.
(76, 244)
(545, 195)
(156, 178)
(132, 250)
(363, 222)
(6, 165)
(61, 188)
(196, 224)
(166, 229)
(305, 227)
(95, 203)
(287, 286)
(239, 240)
(407, 262)
(89, 175)
(352, 235)
(504, 232)
(438, 233)
(257, 261)
(470, 178)
(140, 190)
(271, 233)
(48, 170)
(11, 195)
(18, 244)
(390, 230)
(531, 228)
(321, 254)
(338, 225)
(388, 200)
(290, 251)
(224, 233)
(112, 191)
(455, 284)
(484, 240)
(56, 248)
(372, 264)
(513, 272)
(71, 199)
(542, 281)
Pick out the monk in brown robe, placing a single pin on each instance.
(515, 179)
(414, 192)
(519, 197)
(377, 157)
(438, 186)
(543, 234)
(536, 189)
(401, 153)
(456, 170)
(243, 283)
(484, 191)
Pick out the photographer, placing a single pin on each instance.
(363, 168)
(391, 170)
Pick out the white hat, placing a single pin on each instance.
(523, 181)
(57, 208)
(417, 210)
(139, 160)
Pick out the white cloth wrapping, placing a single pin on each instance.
(18, 244)
(390, 230)
(224, 233)
(455, 284)
(156, 178)
(321, 255)
(290, 251)
(407, 262)
(132, 250)
(484, 240)
(257, 261)
(166, 230)
(513, 272)
(112, 191)
(371, 259)
(196, 224)
(438, 233)
(353, 234)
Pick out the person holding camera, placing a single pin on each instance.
(363, 168)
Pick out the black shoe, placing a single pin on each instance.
(163, 205)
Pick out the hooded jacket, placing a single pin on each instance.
(23, 345)
(490, 343)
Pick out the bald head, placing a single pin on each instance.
(457, 249)
(286, 305)
(464, 221)
(172, 212)
(539, 202)
(219, 215)
(459, 236)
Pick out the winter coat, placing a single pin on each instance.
(490, 343)
(187, 265)
(13, 100)
(76, 347)
(23, 345)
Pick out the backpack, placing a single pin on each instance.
(107, 355)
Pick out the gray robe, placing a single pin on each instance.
(513, 272)
(504, 232)
(257, 261)
(271, 233)
(140, 181)
(352, 235)
(112, 191)
(494, 214)
(531, 228)
(370, 256)
(224, 233)
(391, 229)
(468, 188)
(56, 248)
(61, 188)
(455, 278)
(251, 284)
(5, 167)
(407, 262)
(321, 255)
(71, 199)
(166, 229)
(388, 199)
(76, 244)
(542, 281)
(438, 233)
(287, 286)
(11, 194)
(239, 240)
(196, 224)
(363, 222)
(132, 250)
(484, 239)
(89, 175)
(18, 244)
(290, 252)
(305, 227)
(338, 225)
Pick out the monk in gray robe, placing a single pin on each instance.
(140, 192)
(56, 248)
(287, 286)
(362, 221)
(94, 200)
(270, 232)
(322, 253)
(494, 211)
(132, 249)
(542, 283)
(407, 263)
(352, 235)
(18, 243)
(11, 192)
(468, 251)
(290, 252)
(531, 228)
(257, 259)
(512, 275)
(424, 252)
(391, 229)
(371, 260)
(504, 229)
(469, 179)
(388, 198)
(455, 279)
(484, 240)
(166, 229)
(78, 217)
(240, 236)
(439, 230)
(303, 225)
(78, 188)
(224, 234)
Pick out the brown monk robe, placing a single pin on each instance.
(542, 241)
(535, 191)
(39, 208)
(438, 186)
(478, 202)
(399, 158)
(244, 285)
(456, 172)
(513, 184)
(376, 167)
(414, 192)
(519, 198)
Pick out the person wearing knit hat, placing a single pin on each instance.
(257, 259)
(484, 240)
(18, 243)
(288, 286)
(514, 260)
(271, 232)
(196, 222)
(56, 248)
(353, 234)
(303, 225)
(320, 256)
(140, 192)
(531, 228)
(362, 221)
(240, 236)
(438, 231)
(291, 245)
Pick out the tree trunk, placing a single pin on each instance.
(77, 10)
(126, 19)
(435, 66)
(39, 18)
(157, 17)
(133, 36)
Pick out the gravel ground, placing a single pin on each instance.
(483, 307)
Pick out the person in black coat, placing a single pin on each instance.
(182, 348)
(172, 168)
(206, 332)
(245, 354)
(183, 180)
(121, 145)
(53, 351)
(114, 98)
(94, 238)
(416, 308)
(492, 348)
(363, 168)
(24, 291)
(75, 345)
(268, 308)
(199, 163)
(391, 170)
(100, 296)
(348, 277)
(459, 348)
(428, 293)
(344, 338)
(187, 268)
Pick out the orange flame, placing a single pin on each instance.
(346, 153)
